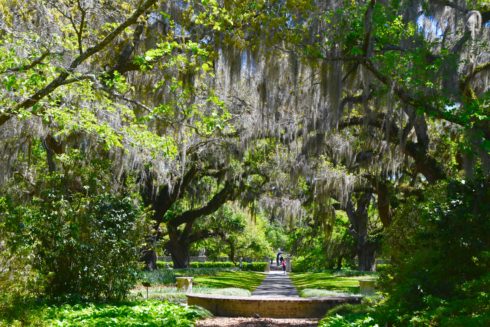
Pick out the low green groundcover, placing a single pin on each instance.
(145, 313)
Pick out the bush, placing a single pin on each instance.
(250, 266)
(147, 313)
(383, 267)
(255, 266)
(82, 246)
(18, 280)
(340, 321)
(439, 273)
(212, 264)
(352, 315)
(164, 264)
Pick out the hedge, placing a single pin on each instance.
(212, 264)
(255, 266)
(250, 266)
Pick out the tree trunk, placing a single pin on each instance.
(149, 257)
(178, 248)
(232, 250)
(365, 255)
(359, 219)
(180, 256)
(339, 263)
(383, 202)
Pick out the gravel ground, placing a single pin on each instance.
(256, 322)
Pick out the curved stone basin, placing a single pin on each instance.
(270, 307)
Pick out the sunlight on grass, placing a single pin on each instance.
(232, 283)
(240, 279)
(326, 281)
(173, 295)
(315, 292)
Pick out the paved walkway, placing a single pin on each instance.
(276, 284)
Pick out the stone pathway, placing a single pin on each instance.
(276, 284)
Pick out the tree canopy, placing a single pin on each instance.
(327, 120)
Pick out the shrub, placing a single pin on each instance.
(254, 266)
(340, 321)
(251, 266)
(439, 273)
(147, 313)
(212, 264)
(18, 280)
(164, 264)
(352, 315)
(82, 246)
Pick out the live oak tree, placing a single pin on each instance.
(369, 102)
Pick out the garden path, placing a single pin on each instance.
(276, 284)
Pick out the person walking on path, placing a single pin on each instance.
(283, 264)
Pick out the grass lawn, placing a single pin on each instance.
(248, 280)
(170, 293)
(206, 281)
(326, 281)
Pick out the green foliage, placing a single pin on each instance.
(316, 251)
(147, 313)
(80, 240)
(18, 279)
(350, 321)
(353, 315)
(239, 235)
(164, 264)
(440, 261)
(254, 266)
(84, 246)
(134, 313)
(213, 264)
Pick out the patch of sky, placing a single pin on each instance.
(290, 21)
(206, 39)
(154, 18)
(453, 106)
(180, 31)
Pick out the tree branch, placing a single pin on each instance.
(226, 193)
(407, 98)
(465, 82)
(60, 79)
(33, 64)
(425, 164)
